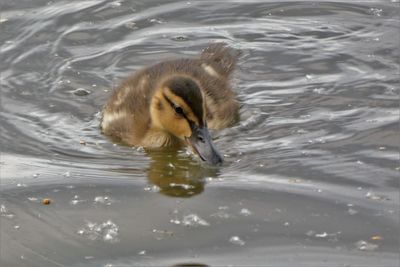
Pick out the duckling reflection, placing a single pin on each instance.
(177, 175)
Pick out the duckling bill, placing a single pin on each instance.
(175, 103)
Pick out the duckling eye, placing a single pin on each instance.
(178, 110)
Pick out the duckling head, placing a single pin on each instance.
(178, 107)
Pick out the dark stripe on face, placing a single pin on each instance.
(174, 106)
(188, 90)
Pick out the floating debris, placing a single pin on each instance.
(4, 212)
(16, 227)
(107, 231)
(236, 241)
(46, 201)
(365, 246)
(82, 142)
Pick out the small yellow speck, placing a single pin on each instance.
(46, 201)
(376, 237)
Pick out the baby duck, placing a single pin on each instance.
(174, 103)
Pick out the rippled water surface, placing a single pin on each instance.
(311, 176)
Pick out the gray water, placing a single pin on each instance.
(311, 176)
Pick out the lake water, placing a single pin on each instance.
(311, 172)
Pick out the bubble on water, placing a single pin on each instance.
(35, 175)
(33, 199)
(322, 235)
(107, 231)
(236, 241)
(376, 11)
(175, 221)
(76, 200)
(245, 212)
(142, 252)
(66, 174)
(106, 200)
(152, 188)
(366, 246)
(16, 227)
(309, 76)
(194, 220)
(180, 38)
(80, 92)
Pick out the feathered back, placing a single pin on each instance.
(221, 57)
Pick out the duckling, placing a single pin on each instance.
(175, 103)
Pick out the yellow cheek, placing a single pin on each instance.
(180, 128)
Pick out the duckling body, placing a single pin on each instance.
(162, 105)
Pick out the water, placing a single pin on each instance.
(311, 176)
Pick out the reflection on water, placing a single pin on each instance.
(176, 175)
(311, 172)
